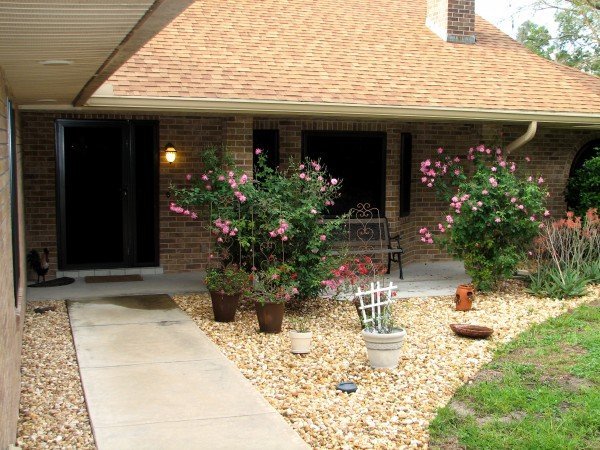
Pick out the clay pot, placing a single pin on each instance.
(224, 306)
(270, 316)
(465, 293)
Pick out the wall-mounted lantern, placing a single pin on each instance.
(170, 153)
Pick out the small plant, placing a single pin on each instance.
(278, 283)
(494, 211)
(228, 280)
(353, 273)
(300, 324)
(375, 306)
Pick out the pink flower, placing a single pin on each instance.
(220, 239)
(322, 237)
(313, 211)
(493, 182)
(230, 174)
(323, 189)
(474, 208)
(272, 234)
(187, 212)
(521, 207)
(423, 230)
(497, 220)
(301, 167)
(455, 199)
(204, 177)
(488, 151)
(540, 180)
(485, 192)
(546, 213)
(423, 179)
(284, 238)
(242, 198)
(334, 181)
(449, 219)
(528, 159)
(502, 163)
(513, 200)
(494, 169)
(456, 172)
(480, 204)
(244, 179)
(194, 216)
(441, 228)
(302, 175)
(328, 203)
(498, 151)
(429, 185)
(457, 159)
(258, 151)
(530, 179)
(188, 176)
(532, 218)
(221, 178)
(208, 187)
(513, 167)
(320, 178)
(440, 150)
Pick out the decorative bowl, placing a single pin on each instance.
(472, 331)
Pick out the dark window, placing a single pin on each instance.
(355, 157)
(405, 173)
(268, 141)
(14, 199)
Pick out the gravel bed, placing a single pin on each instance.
(53, 413)
(392, 408)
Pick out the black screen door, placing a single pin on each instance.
(102, 166)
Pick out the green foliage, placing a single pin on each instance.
(583, 189)
(536, 38)
(229, 280)
(494, 213)
(577, 41)
(549, 281)
(270, 221)
(278, 283)
(543, 392)
(300, 324)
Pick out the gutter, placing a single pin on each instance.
(524, 139)
(293, 108)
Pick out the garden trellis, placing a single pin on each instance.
(380, 298)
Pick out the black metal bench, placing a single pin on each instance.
(365, 232)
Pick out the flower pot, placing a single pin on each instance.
(270, 316)
(224, 306)
(300, 341)
(383, 350)
(465, 293)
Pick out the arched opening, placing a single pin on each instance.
(586, 152)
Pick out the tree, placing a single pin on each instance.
(577, 41)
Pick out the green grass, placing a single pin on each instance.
(541, 391)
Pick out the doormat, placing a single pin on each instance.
(62, 281)
(113, 278)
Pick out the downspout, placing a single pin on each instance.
(524, 139)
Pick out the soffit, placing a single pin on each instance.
(86, 34)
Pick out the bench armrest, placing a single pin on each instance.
(396, 239)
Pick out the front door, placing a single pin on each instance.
(107, 193)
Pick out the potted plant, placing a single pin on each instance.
(272, 288)
(382, 338)
(226, 285)
(300, 335)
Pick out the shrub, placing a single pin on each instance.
(567, 256)
(494, 212)
(229, 280)
(583, 189)
(274, 219)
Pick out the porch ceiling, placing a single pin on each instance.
(59, 51)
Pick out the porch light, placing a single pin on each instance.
(170, 153)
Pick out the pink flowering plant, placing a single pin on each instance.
(494, 211)
(265, 221)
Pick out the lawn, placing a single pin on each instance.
(541, 391)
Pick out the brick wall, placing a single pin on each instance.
(184, 244)
(11, 317)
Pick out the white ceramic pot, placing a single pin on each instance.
(300, 341)
(383, 350)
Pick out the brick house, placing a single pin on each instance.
(371, 87)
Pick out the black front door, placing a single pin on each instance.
(107, 192)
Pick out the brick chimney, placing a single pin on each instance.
(452, 20)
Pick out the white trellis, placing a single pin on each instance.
(378, 298)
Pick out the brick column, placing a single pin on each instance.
(238, 140)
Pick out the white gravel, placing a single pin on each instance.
(53, 414)
(392, 408)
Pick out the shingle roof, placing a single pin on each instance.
(376, 52)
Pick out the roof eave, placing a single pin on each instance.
(295, 108)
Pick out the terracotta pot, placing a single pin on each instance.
(465, 293)
(270, 316)
(224, 306)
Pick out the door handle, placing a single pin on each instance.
(124, 192)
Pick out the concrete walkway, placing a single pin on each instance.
(153, 380)
(429, 279)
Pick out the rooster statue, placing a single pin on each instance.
(39, 263)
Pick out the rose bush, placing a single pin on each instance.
(494, 213)
(270, 220)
